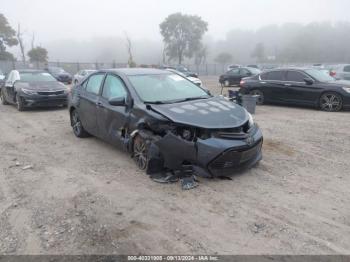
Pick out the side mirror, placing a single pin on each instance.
(117, 101)
(308, 81)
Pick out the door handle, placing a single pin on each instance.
(288, 84)
(262, 82)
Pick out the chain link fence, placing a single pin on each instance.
(73, 67)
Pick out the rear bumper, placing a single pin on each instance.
(44, 101)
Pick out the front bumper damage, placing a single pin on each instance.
(211, 157)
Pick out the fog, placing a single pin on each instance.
(91, 30)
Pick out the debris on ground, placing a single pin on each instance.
(27, 167)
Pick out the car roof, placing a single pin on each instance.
(136, 71)
(30, 71)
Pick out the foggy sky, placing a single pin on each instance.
(82, 20)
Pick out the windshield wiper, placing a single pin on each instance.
(156, 102)
(191, 99)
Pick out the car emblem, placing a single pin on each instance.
(249, 140)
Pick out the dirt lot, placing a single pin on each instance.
(82, 196)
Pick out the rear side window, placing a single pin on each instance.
(275, 75)
(295, 76)
(347, 68)
(94, 83)
(113, 87)
(234, 71)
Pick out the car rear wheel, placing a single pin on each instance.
(2, 98)
(19, 103)
(261, 98)
(331, 102)
(77, 126)
(140, 152)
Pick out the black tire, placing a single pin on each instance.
(3, 98)
(19, 103)
(331, 102)
(261, 98)
(140, 152)
(77, 126)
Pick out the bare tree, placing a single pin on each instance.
(131, 62)
(21, 43)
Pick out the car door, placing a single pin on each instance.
(112, 120)
(88, 102)
(274, 82)
(298, 91)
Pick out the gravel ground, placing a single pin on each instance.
(64, 195)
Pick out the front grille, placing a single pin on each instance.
(51, 93)
(231, 160)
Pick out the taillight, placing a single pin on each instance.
(332, 73)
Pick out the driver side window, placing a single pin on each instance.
(113, 87)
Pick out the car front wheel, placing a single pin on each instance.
(140, 152)
(331, 102)
(261, 99)
(19, 103)
(77, 126)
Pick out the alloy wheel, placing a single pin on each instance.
(331, 102)
(76, 123)
(140, 153)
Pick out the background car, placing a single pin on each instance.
(194, 80)
(30, 88)
(185, 71)
(234, 76)
(81, 74)
(233, 67)
(299, 86)
(340, 71)
(60, 74)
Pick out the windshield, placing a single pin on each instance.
(165, 88)
(319, 75)
(36, 77)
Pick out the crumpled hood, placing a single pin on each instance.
(212, 113)
(41, 86)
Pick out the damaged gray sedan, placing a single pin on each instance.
(165, 122)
